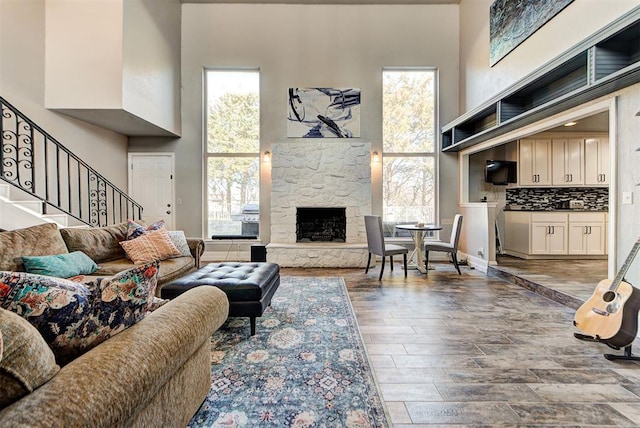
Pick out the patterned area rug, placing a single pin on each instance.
(306, 366)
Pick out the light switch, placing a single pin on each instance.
(627, 198)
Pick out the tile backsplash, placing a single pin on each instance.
(548, 198)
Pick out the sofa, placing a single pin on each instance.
(101, 244)
(154, 373)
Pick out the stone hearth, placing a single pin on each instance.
(319, 174)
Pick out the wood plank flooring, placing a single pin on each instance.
(473, 350)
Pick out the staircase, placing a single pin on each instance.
(41, 181)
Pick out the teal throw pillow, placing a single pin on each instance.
(60, 265)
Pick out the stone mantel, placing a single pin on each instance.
(319, 173)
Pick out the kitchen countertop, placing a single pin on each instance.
(553, 210)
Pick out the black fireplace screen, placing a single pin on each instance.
(321, 224)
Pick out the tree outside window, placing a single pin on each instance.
(232, 149)
(409, 167)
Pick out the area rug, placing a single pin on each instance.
(306, 366)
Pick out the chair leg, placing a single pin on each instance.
(404, 256)
(391, 261)
(368, 264)
(426, 262)
(454, 256)
(381, 269)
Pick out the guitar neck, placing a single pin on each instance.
(625, 267)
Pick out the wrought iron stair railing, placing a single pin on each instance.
(36, 163)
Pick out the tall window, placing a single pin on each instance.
(232, 151)
(408, 131)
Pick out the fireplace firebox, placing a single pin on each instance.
(321, 224)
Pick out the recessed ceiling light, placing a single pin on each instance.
(570, 123)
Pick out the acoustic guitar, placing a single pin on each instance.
(611, 313)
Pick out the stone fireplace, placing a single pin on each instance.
(323, 176)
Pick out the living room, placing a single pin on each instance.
(171, 42)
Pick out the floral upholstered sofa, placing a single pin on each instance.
(99, 350)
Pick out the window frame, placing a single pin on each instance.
(206, 155)
(423, 154)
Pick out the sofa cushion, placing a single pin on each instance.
(156, 245)
(102, 244)
(40, 240)
(135, 230)
(61, 265)
(26, 363)
(72, 317)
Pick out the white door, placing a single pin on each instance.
(151, 185)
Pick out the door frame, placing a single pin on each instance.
(608, 104)
(131, 156)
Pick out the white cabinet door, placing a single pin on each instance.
(587, 233)
(548, 233)
(534, 166)
(596, 165)
(587, 238)
(568, 162)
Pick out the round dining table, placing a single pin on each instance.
(418, 232)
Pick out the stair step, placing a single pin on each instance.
(35, 206)
(61, 219)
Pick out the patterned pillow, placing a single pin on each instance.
(151, 246)
(180, 241)
(60, 265)
(135, 230)
(72, 317)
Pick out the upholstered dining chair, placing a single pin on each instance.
(450, 247)
(377, 246)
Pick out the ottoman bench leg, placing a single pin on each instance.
(252, 321)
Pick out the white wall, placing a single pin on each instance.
(151, 61)
(22, 83)
(479, 82)
(303, 45)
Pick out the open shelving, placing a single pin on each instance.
(607, 61)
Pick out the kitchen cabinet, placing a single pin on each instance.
(596, 155)
(587, 233)
(555, 233)
(548, 234)
(567, 161)
(534, 160)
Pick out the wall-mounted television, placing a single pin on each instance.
(501, 172)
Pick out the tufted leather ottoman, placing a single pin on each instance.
(248, 286)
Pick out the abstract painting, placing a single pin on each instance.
(323, 113)
(511, 22)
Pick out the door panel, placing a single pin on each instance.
(151, 185)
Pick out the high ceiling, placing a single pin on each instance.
(322, 2)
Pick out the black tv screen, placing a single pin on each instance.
(500, 172)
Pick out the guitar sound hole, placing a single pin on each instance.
(609, 296)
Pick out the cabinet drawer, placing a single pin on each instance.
(548, 217)
(586, 217)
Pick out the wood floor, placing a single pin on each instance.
(470, 350)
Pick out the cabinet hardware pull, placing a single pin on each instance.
(570, 177)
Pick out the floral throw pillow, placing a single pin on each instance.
(135, 230)
(73, 317)
(58, 308)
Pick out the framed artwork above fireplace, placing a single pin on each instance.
(323, 113)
